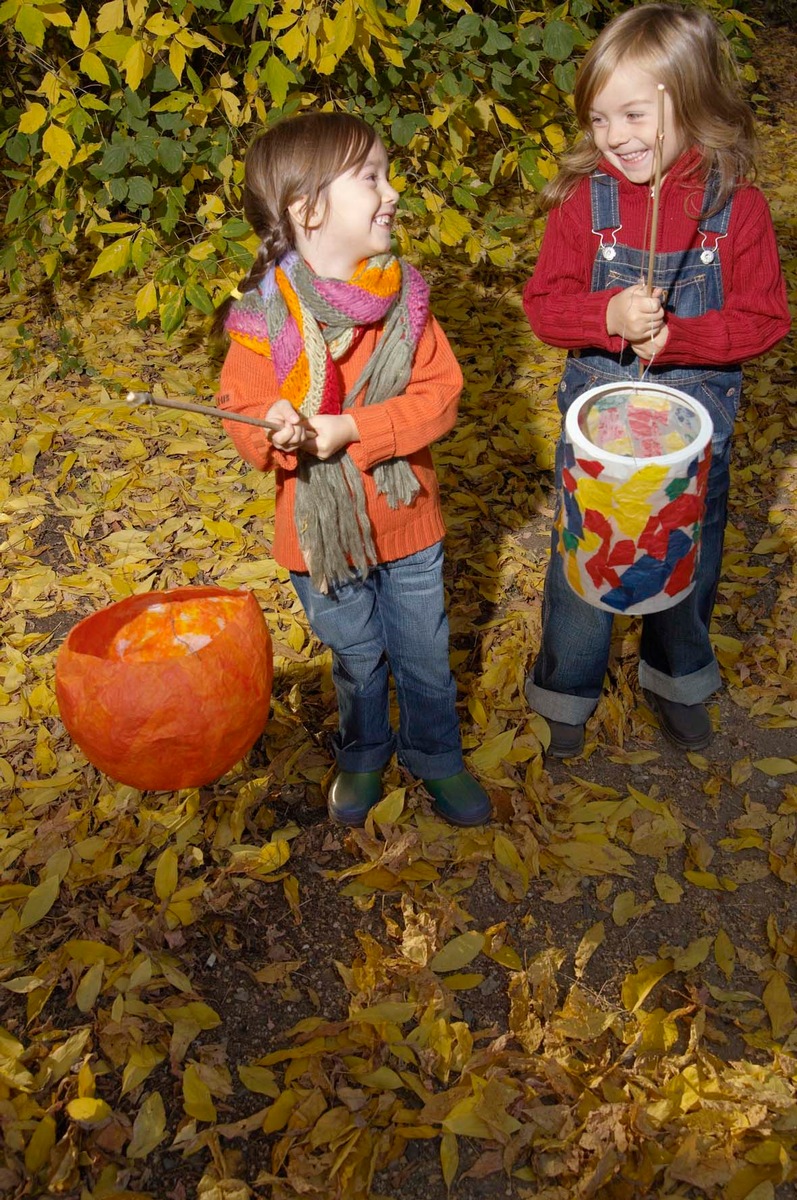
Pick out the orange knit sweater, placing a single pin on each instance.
(402, 426)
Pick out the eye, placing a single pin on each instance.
(596, 120)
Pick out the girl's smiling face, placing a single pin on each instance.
(354, 219)
(624, 118)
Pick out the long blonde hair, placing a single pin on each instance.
(684, 49)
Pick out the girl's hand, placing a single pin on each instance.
(293, 430)
(330, 433)
(653, 346)
(634, 315)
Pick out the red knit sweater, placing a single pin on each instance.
(403, 426)
(564, 312)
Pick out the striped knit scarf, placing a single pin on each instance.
(304, 323)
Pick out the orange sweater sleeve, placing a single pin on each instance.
(248, 385)
(400, 426)
(424, 412)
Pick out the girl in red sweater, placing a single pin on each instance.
(333, 342)
(719, 299)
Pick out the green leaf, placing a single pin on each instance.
(198, 298)
(403, 129)
(140, 190)
(171, 155)
(172, 310)
(278, 78)
(559, 40)
(17, 205)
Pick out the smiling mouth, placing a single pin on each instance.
(385, 220)
(632, 159)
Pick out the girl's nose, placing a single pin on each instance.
(615, 135)
(389, 193)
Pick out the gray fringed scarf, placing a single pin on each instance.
(307, 323)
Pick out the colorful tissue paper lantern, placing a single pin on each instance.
(167, 690)
(633, 494)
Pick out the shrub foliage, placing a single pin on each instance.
(124, 123)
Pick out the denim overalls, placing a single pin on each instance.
(676, 658)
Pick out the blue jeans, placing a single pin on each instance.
(393, 621)
(676, 657)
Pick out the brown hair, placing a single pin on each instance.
(684, 49)
(296, 159)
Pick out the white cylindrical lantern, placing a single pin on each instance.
(636, 462)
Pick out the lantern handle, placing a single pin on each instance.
(204, 409)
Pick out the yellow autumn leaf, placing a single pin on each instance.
(667, 888)
(457, 953)
(724, 953)
(449, 1158)
(42, 1140)
(166, 873)
(197, 1012)
(89, 987)
(693, 954)
(89, 1110)
(59, 145)
(592, 939)
(142, 1060)
(278, 1114)
(487, 758)
(776, 766)
(197, 1100)
(710, 881)
(39, 901)
(260, 1080)
(81, 30)
(637, 987)
(389, 808)
(464, 981)
(506, 856)
(779, 1006)
(396, 1012)
(146, 300)
(149, 1127)
(505, 956)
(384, 1079)
(33, 118)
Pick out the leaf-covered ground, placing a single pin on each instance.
(215, 993)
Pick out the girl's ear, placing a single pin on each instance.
(298, 212)
(305, 218)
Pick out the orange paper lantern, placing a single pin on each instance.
(167, 690)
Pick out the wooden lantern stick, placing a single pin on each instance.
(658, 155)
(204, 409)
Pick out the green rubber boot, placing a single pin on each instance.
(352, 796)
(460, 799)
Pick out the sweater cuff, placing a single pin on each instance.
(377, 437)
(593, 322)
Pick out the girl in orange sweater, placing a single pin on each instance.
(333, 342)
